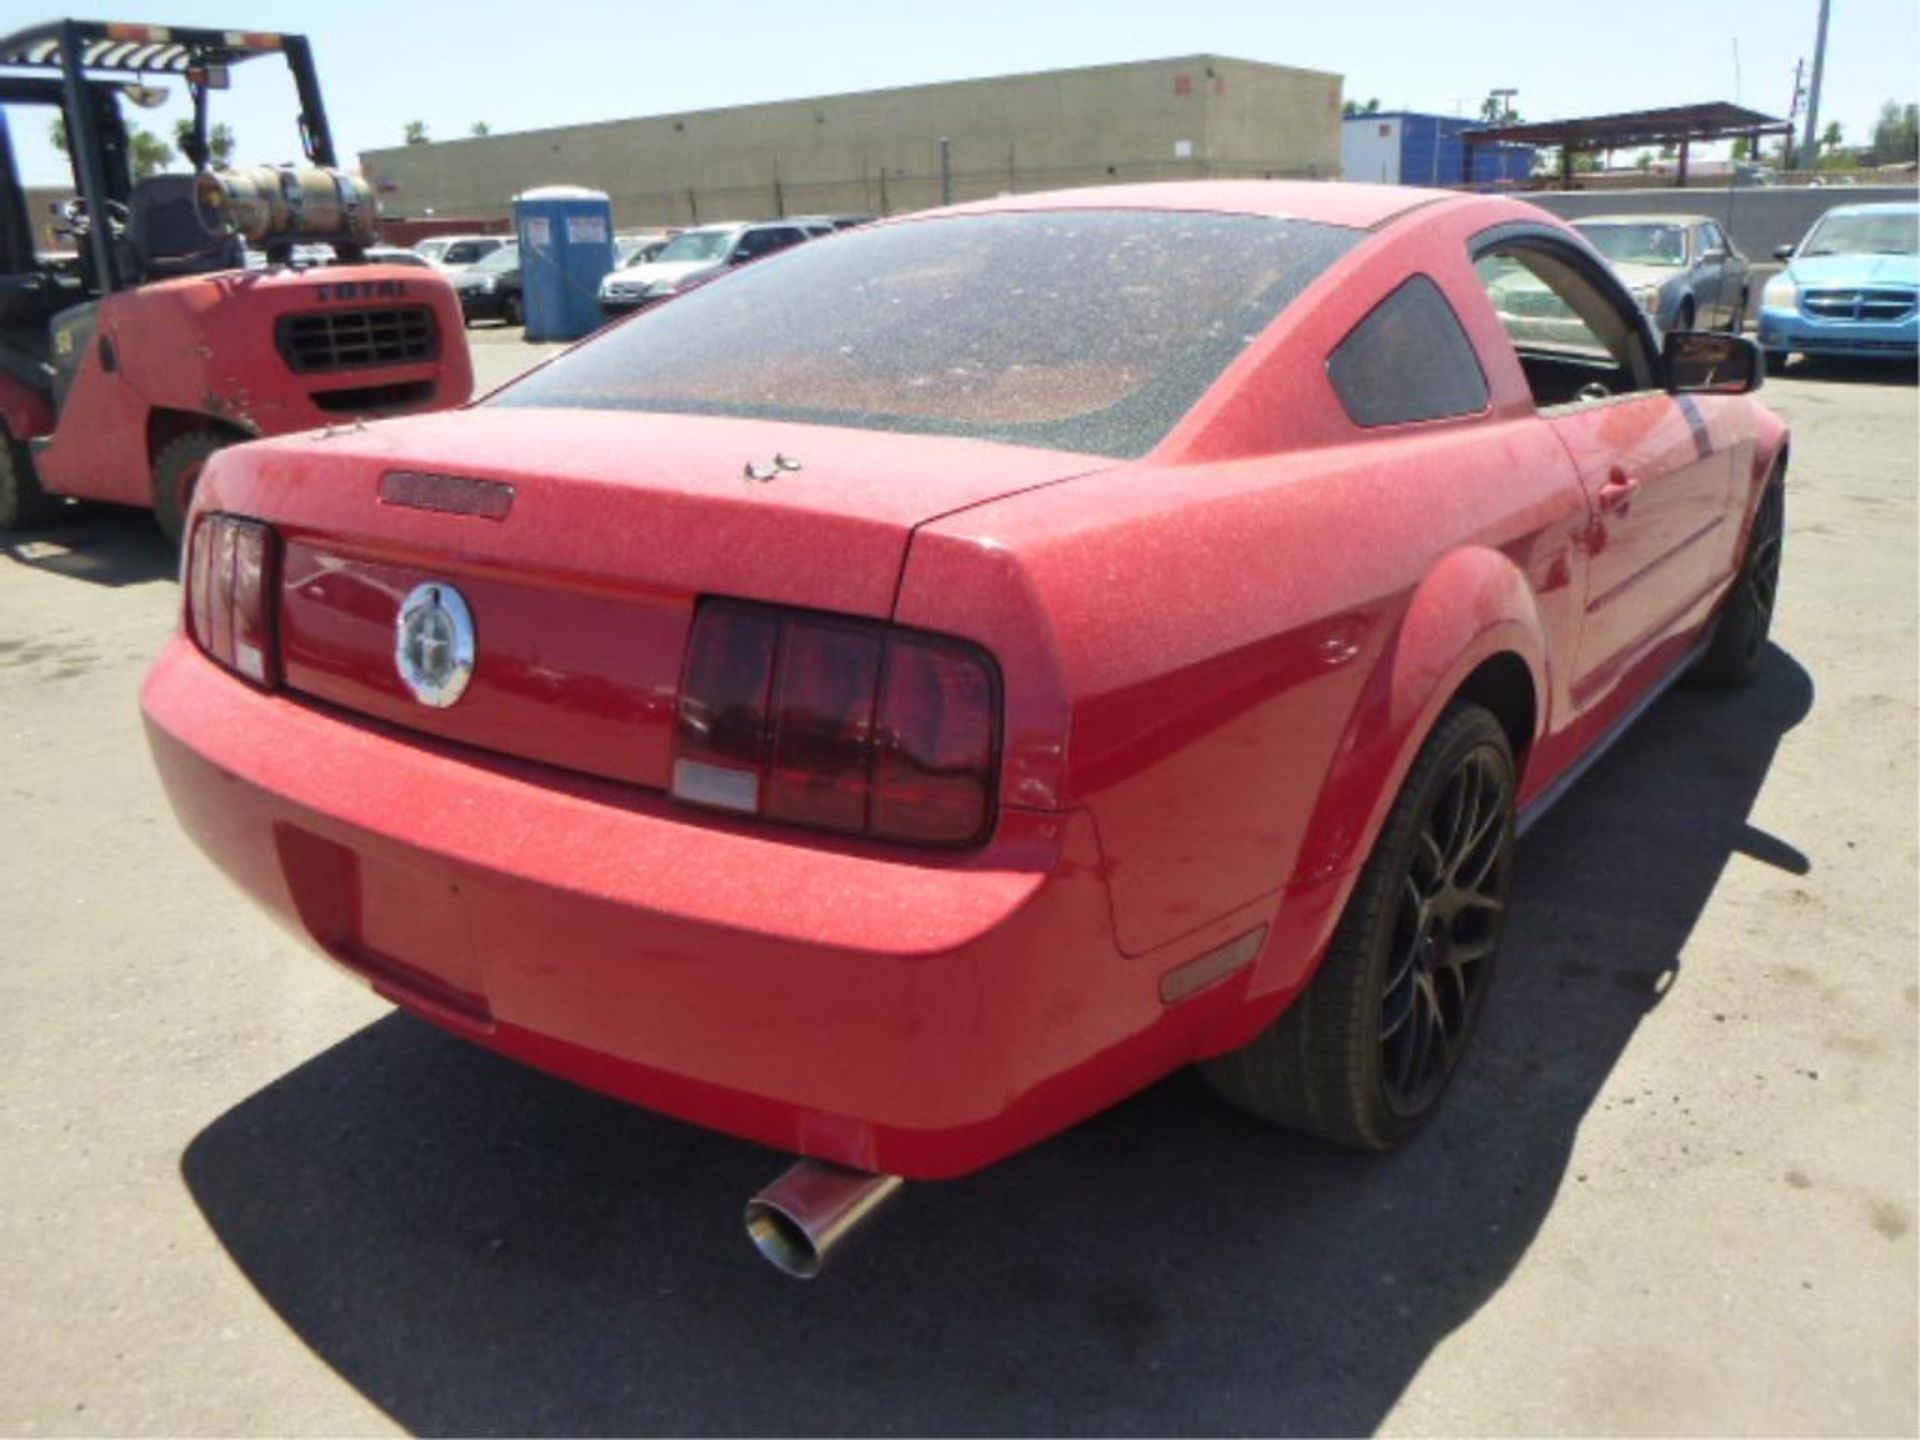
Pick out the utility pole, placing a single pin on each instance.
(1809, 145)
(1793, 112)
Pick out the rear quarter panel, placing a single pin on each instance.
(1229, 652)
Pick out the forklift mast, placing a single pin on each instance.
(80, 66)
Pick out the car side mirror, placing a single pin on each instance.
(1783, 252)
(1701, 362)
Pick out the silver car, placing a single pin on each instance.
(1682, 269)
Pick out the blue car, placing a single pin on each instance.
(1849, 288)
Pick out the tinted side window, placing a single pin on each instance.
(1408, 360)
(756, 243)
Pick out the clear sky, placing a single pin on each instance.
(460, 61)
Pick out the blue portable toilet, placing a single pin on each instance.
(566, 246)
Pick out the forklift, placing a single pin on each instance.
(125, 366)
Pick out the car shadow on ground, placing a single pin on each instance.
(108, 545)
(479, 1249)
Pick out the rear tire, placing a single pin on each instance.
(1740, 634)
(23, 504)
(511, 311)
(1684, 320)
(1364, 1055)
(1738, 324)
(176, 474)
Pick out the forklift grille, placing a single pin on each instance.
(320, 340)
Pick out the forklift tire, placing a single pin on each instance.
(176, 471)
(23, 504)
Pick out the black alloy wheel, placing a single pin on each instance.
(1365, 1052)
(1740, 635)
(1447, 927)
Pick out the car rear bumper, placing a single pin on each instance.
(921, 1014)
(1792, 330)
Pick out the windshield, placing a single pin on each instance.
(697, 245)
(1074, 330)
(507, 257)
(1885, 232)
(1650, 244)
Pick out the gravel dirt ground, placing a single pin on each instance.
(1674, 1193)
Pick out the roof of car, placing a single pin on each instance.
(1329, 202)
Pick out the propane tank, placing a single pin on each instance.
(265, 204)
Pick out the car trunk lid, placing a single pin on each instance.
(580, 542)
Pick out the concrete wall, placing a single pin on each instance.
(878, 151)
(1270, 121)
(1758, 218)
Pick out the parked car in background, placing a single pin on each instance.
(629, 251)
(694, 257)
(456, 252)
(834, 222)
(1682, 269)
(906, 697)
(632, 249)
(394, 255)
(1849, 287)
(490, 289)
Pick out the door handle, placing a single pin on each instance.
(1618, 491)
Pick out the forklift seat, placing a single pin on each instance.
(168, 235)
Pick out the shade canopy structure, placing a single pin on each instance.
(1677, 125)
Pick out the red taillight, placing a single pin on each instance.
(231, 566)
(838, 724)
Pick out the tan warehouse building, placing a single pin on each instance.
(878, 152)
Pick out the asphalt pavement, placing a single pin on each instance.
(1674, 1191)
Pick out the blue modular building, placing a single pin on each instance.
(1402, 148)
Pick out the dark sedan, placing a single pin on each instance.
(490, 289)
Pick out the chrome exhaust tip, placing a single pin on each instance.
(798, 1220)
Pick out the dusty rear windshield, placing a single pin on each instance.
(1075, 330)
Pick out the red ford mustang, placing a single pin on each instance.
(900, 699)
